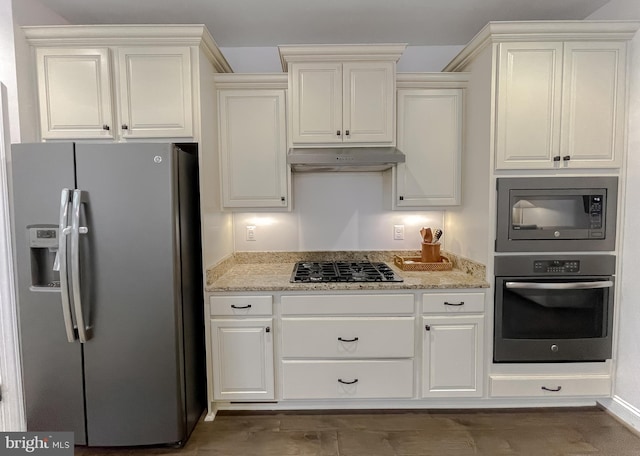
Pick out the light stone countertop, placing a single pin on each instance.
(265, 271)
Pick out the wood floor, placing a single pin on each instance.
(531, 432)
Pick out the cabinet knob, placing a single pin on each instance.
(346, 132)
(267, 329)
(566, 157)
(106, 127)
(337, 132)
(282, 198)
(401, 198)
(125, 126)
(556, 158)
(427, 327)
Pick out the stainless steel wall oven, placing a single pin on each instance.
(556, 214)
(552, 308)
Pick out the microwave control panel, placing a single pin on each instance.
(595, 212)
(556, 266)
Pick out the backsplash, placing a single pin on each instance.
(334, 211)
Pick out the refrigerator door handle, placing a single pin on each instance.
(76, 231)
(62, 265)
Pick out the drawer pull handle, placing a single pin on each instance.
(461, 303)
(348, 383)
(555, 390)
(355, 339)
(248, 306)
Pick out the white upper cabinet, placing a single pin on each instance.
(342, 103)
(121, 82)
(560, 105)
(253, 147)
(528, 113)
(430, 136)
(316, 110)
(593, 104)
(74, 87)
(342, 94)
(154, 92)
(152, 85)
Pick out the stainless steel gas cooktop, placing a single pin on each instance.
(343, 271)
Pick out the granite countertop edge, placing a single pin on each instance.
(271, 271)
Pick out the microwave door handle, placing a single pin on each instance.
(76, 231)
(63, 232)
(558, 285)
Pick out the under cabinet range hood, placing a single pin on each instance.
(344, 159)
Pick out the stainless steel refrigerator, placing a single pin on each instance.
(109, 281)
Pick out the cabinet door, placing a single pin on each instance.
(430, 135)
(593, 104)
(155, 94)
(368, 102)
(253, 146)
(528, 105)
(316, 103)
(452, 363)
(242, 359)
(74, 93)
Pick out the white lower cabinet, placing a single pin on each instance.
(368, 346)
(452, 344)
(361, 379)
(241, 348)
(452, 356)
(355, 346)
(550, 385)
(355, 337)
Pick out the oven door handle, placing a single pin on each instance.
(559, 285)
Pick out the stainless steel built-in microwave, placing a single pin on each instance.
(556, 214)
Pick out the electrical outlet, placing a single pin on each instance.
(251, 232)
(398, 232)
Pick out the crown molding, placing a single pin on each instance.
(453, 80)
(519, 31)
(251, 81)
(339, 53)
(128, 35)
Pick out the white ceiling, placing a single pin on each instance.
(272, 22)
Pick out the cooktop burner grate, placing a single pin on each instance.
(343, 271)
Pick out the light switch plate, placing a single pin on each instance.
(251, 233)
(398, 232)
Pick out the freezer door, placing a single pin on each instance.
(133, 355)
(52, 366)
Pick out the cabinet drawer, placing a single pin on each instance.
(347, 379)
(364, 337)
(392, 304)
(550, 385)
(452, 302)
(241, 305)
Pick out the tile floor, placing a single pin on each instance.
(530, 432)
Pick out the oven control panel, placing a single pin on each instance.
(556, 266)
